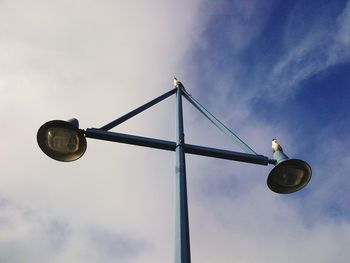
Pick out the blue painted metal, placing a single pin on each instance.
(74, 122)
(130, 139)
(182, 235)
(171, 146)
(140, 109)
(280, 156)
(218, 124)
(228, 155)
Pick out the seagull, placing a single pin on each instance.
(177, 82)
(275, 146)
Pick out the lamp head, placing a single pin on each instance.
(289, 176)
(62, 140)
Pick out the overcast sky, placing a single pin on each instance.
(265, 68)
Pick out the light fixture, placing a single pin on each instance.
(289, 175)
(62, 140)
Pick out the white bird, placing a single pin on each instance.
(275, 146)
(177, 82)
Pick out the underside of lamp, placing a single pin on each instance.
(289, 175)
(62, 140)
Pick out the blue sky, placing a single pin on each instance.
(290, 67)
(265, 68)
(288, 61)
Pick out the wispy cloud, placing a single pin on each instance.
(323, 42)
(230, 76)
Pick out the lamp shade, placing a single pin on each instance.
(62, 140)
(289, 176)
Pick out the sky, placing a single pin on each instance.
(266, 69)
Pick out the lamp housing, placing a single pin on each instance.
(289, 175)
(62, 140)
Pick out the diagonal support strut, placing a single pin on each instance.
(140, 109)
(217, 123)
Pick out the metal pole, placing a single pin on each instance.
(182, 236)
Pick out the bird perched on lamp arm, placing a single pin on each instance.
(276, 146)
(289, 175)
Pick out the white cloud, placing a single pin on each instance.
(319, 45)
(94, 61)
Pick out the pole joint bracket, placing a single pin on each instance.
(180, 143)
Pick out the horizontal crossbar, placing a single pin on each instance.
(171, 146)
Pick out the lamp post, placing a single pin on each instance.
(64, 141)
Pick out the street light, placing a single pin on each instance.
(64, 141)
(289, 175)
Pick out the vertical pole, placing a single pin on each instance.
(182, 236)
